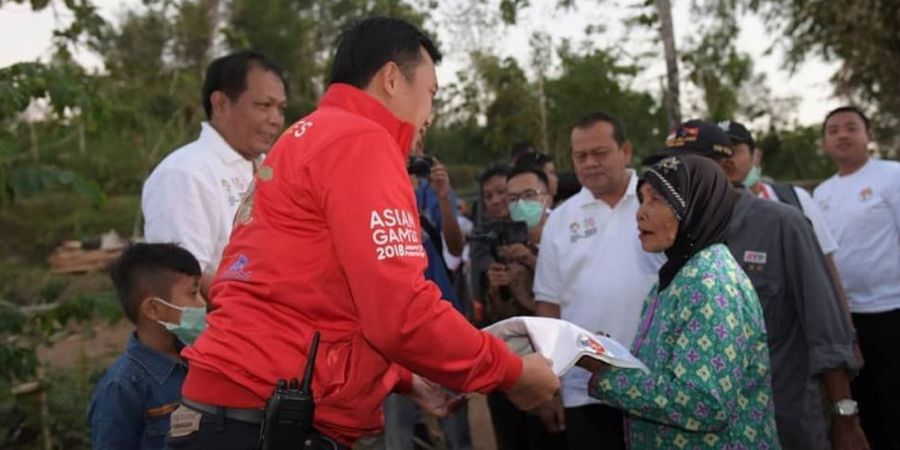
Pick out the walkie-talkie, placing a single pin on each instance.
(288, 421)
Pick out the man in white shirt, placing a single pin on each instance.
(861, 205)
(191, 197)
(592, 271)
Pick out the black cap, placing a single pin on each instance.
(695, 137)
(738, 133)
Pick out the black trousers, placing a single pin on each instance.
(877, 388)
(220, 433)
(594, 427)
(515, 429)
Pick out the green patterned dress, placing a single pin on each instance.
(704, 340)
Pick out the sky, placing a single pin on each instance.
(27, 36)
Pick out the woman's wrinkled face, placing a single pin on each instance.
(656, 221)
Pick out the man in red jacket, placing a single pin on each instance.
(328, 240)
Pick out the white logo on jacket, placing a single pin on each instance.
(395, 234)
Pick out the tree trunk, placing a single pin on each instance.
(668, 37)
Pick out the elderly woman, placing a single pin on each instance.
(702, 334)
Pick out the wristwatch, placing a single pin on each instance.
(845, 408)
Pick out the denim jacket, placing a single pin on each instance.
(132, 402)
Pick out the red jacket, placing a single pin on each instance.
(329, 241)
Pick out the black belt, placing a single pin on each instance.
(248, 415)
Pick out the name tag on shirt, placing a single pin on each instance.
(754, 257)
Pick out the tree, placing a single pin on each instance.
(673, 91)
(597, 80)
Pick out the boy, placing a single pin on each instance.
(158, 287)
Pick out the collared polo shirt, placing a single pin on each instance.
(592, 265)
(862, 209)
(191, 197)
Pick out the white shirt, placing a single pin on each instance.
(191, 197)
(813, 213)
(591, 264)
(863, 211)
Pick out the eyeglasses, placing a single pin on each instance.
(527, 194)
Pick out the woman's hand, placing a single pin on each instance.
(590, 364)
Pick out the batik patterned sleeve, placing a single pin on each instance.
(695, 347)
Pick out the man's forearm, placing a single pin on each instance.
(450, 228)
(837, 384)
(546, 309)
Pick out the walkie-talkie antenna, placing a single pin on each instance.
(310, 363)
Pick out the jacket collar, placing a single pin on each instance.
(158, 364)
(356, 101)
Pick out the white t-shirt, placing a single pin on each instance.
(813, 213)
(191, 197)
(591, 264)
(863, 212)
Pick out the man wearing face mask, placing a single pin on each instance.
(510, 294)
(158, 288)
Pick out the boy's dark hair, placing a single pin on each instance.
(147, 270)
(228, 74)
(493, 170)
(536, 171)
(369, 44)
(590, 119)
(850, 109)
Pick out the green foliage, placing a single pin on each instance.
(597, 81)
(795, 155)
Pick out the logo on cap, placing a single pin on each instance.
(681, 136)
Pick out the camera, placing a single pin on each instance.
(500, 233)
(420, 166)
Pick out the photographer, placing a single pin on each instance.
(490, 209)
(527, 200)
(509, 294)
(436, 203)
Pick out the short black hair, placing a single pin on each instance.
(589, 119)
(228, 74)
(368, 44)
(148, 269)
(493, 170)
(850, 109)
(532, 159)
(518, 149)
(524, 170)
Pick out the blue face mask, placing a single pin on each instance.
(529, 211)
(752, 177)
(192, 323)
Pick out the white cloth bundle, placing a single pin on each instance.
(562, 342)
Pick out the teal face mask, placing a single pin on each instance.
(528, 211)
(192, 323)
(752, 177)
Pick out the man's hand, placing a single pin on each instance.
(520, 254)
(432, 399)
(536, 386)
(847, 434)
(553, 415)
(440, 180)
(498, 275)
